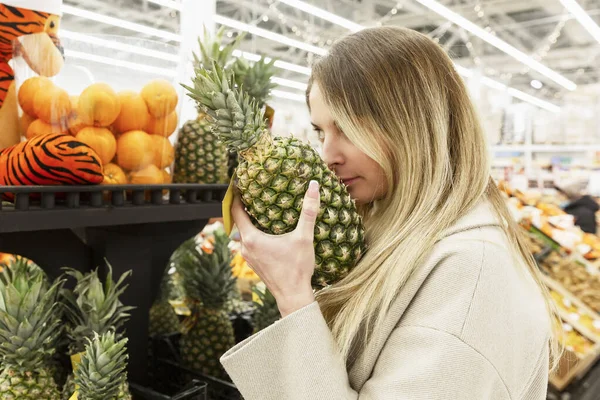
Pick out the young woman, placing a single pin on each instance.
(446, 303)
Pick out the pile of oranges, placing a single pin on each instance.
(128, 130)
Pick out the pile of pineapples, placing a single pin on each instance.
(199, 156)
(36, 313)
(201, 272)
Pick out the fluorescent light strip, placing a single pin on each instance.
(276, 37)
(278, 63)
(288, 95)
(498, 43)
(533, 100)
(289, 83)
(171, 73)
(105, 19)
(326, 15)
(175, 5)
(118, 46)
(583, 17)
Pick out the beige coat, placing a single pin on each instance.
(470, 324)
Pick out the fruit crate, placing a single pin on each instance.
(134, 227)
(583, 321)
(168, 373)
(195, 390)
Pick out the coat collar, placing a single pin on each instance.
(482, 214)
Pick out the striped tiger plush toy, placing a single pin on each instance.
(53, 159)
(35, 23)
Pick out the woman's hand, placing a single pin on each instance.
(285, 263)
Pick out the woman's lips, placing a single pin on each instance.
(348, 181)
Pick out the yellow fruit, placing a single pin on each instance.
(135, 150)
(39, 127)
(134, 112)
(99, 105)
(161, 97)
(164, 152)
(113, 175)
(25, 120)
(28, 90)
(101, 140)
(149, 175)
(163, 126)
(52, 105)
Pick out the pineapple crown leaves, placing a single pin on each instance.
(236, 117)
(208, 277)
(30, 318)
(255, 78)
(93, 307)
(212, 51)
(102, 371)
(265, 297)
(17, 263)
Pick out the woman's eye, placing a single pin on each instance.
(320, 135)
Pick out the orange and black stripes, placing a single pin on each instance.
(54, 159)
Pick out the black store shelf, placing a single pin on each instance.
(135, 227)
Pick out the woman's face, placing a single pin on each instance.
(364, 178)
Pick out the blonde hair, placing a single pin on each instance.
(402, 88)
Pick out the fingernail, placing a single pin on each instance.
(313, 189)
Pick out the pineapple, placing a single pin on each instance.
(29, 327)
(163, 319)
(208, 282)
(199, 157)
(274, 173)
(92, 308)
(267, 311)
(102, 374)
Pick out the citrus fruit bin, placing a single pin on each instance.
(127, 114)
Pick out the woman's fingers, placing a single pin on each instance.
(241, 218)
(310, 210)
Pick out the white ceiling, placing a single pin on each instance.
(540, 28)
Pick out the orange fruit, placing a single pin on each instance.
(134, 112)
(99, 105)
(25, 120)
(164, 152)
(160, 96)
(28, 90)
(163, 126)
(113, 175)
(149, 175)
(52, 105)
(39, 127)
(101, 140)
(135, 150)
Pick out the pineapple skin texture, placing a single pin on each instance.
(211, 336)
(199, 156)
(69, 388)
(15, 385)
(163, 319)
(273, 185)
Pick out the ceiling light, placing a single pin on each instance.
(268, 35)
(278, 63)
(533, 100)
(498, 43)
(326, 15)
(288, 95)
(171, 73)
(289, 83)
(66, 9)
(97, 41)
(583, 17)
(536, 84)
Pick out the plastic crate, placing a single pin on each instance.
(195, 390)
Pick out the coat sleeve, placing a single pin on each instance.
(297, 359)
